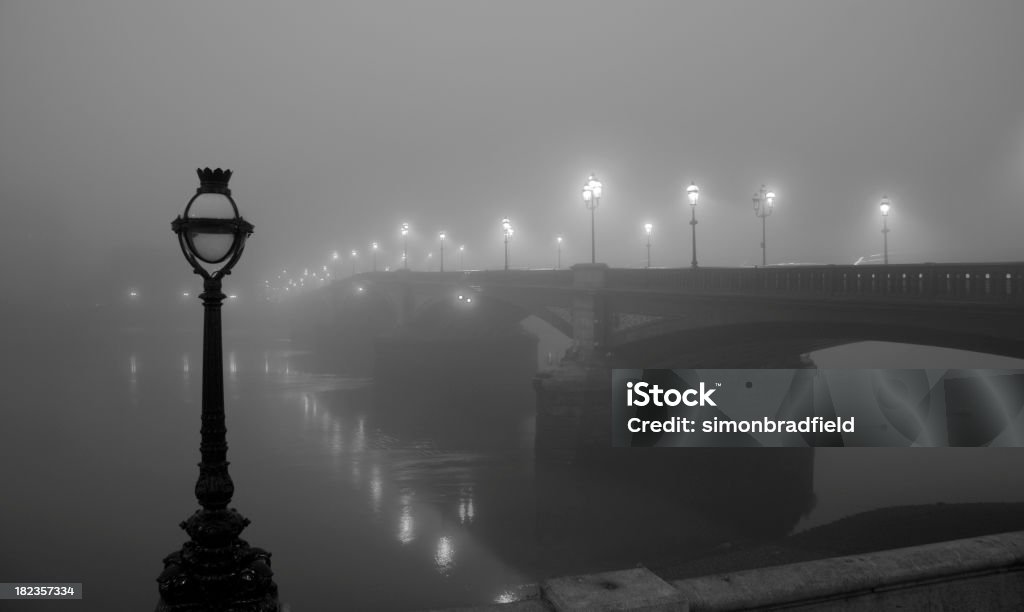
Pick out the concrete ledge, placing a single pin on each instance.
(632, 589)
(843, 578)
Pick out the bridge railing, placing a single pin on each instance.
(988, 282)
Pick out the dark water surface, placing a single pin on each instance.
(384, 501)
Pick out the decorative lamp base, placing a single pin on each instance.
(216, 571)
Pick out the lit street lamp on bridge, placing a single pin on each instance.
(373, 249)
(355, 254)
(693, 193)
(648, 228)
(592, 199)
(442, 237)
(405, 246)
(462, 264)
(885, 205)
(506, 228)
(215, 569)
(558, 261)
(764, 204)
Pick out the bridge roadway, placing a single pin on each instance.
(705, 317)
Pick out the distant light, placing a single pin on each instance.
(462, 247)
(885, 206)
(354, 253)
(184, 294)
(559, 239)
(232, 296)
(334, 255)
(359, 289)
(648, 228)
(405, 229)
(133, 293)
(373, 245)
(693, 192)
(468, 300)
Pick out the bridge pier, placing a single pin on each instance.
(573, 410)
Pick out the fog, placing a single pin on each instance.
(342, 121)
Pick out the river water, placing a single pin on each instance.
(373, 503)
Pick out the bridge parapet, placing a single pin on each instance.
(982, 282)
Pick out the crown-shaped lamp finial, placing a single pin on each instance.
(213, 181)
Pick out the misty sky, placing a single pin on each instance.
(342, 120)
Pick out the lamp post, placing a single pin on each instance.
(442, 237)
(884, 206)
(648, 228)
(558, 264)
(764, 204)
(592, 199)
(373, 249)
(693, 193)
(355, 254)
(405, 246)
(506, 228)
(215, 570)
(462, 264)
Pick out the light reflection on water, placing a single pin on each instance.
(348, 495)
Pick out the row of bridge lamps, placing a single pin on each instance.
(764, 205)
(763, 200)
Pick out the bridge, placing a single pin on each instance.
(703, 317)
(444, 329)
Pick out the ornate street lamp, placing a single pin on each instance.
(693, 193)
(884, 206)
(405, 246)
(373, 248)
(558, 239)
(506, 228)
(215, 570)
(648, 228)
(592, 199)
(764, 204)
(442, 236)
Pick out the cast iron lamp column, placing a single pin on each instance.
(884, 206)
(442, 237)
(506, 228)
(373, 248)
(558, 264)
(592, 199)
(648, 228)
(693, 193)
(764, 204)
(215, 570)
(405, 246)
